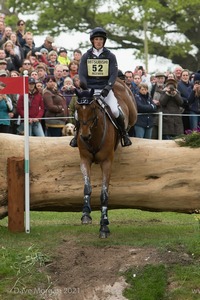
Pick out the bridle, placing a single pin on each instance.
(94, 123)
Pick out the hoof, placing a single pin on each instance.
(86, 219)
(104, 232)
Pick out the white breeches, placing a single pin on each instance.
(111, 100)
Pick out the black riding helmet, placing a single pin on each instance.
(98, 32)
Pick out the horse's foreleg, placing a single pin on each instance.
(104, 222)
(86, 218)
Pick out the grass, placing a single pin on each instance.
(24, 255)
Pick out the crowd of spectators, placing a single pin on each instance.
(53, 77)
(176, 94)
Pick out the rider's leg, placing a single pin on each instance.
(118, 113)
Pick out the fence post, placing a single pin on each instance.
(160, 125)
(16, 194)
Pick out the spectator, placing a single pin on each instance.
(6, 36)
(77, 55)
(194, 103)
(36, 110)
(45, 53)
(170, 76)
(68, 90)
(14, 74)
(121, 75)
(63, 59)
(3, 65)
(143, 74)
(136, 82)
(73, 68)
(58, 74)
(49, 40)
(18, 50)
(184, 88)
(14, 98)
(171, 103)
(26, 66)
(156, 92)
(41, 69)
(13, 60)
(40, 86)
(34, 74)
(2, 29)
(144, 125)
(129, 80)
(20, 32)
(29, 43)
(36, 59)
(66, 72)
(6, 108)
(52, 61)
(55, 108)
(177, 73)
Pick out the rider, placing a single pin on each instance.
(98, 70)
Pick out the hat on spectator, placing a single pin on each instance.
(159, 74)
(31, 80)
(121, 75)
(3, 73)
(50, 39)
(196, 77)
(44, 50)
(3, 62)
(62, 49)
(171, 81)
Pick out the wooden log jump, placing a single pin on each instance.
(150, 175)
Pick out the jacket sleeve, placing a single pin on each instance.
(41, 108)
(20, 106)
(83, 69)
(145, 107)
(49, 103)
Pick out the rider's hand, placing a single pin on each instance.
(104, 92)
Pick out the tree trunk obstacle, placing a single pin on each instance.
(149, 175)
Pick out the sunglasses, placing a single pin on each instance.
(21, 24)
(26, 63)
(65, 70)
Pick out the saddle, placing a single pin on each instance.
(107, 110)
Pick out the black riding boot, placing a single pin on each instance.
(73, 142)
(125, 140)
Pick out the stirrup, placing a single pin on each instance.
(73, 142)
(125, 141)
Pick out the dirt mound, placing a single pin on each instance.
(95, 273)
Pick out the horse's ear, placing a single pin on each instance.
(77, 92)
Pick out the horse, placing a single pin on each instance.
(97, 140)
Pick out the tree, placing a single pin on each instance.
(173, 26)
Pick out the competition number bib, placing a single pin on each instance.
(98, 67)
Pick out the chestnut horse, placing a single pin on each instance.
(97, 141)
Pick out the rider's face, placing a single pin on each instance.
(98, 42)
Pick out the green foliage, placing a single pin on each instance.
(149, 282)
(189, 140)
(123, 19)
